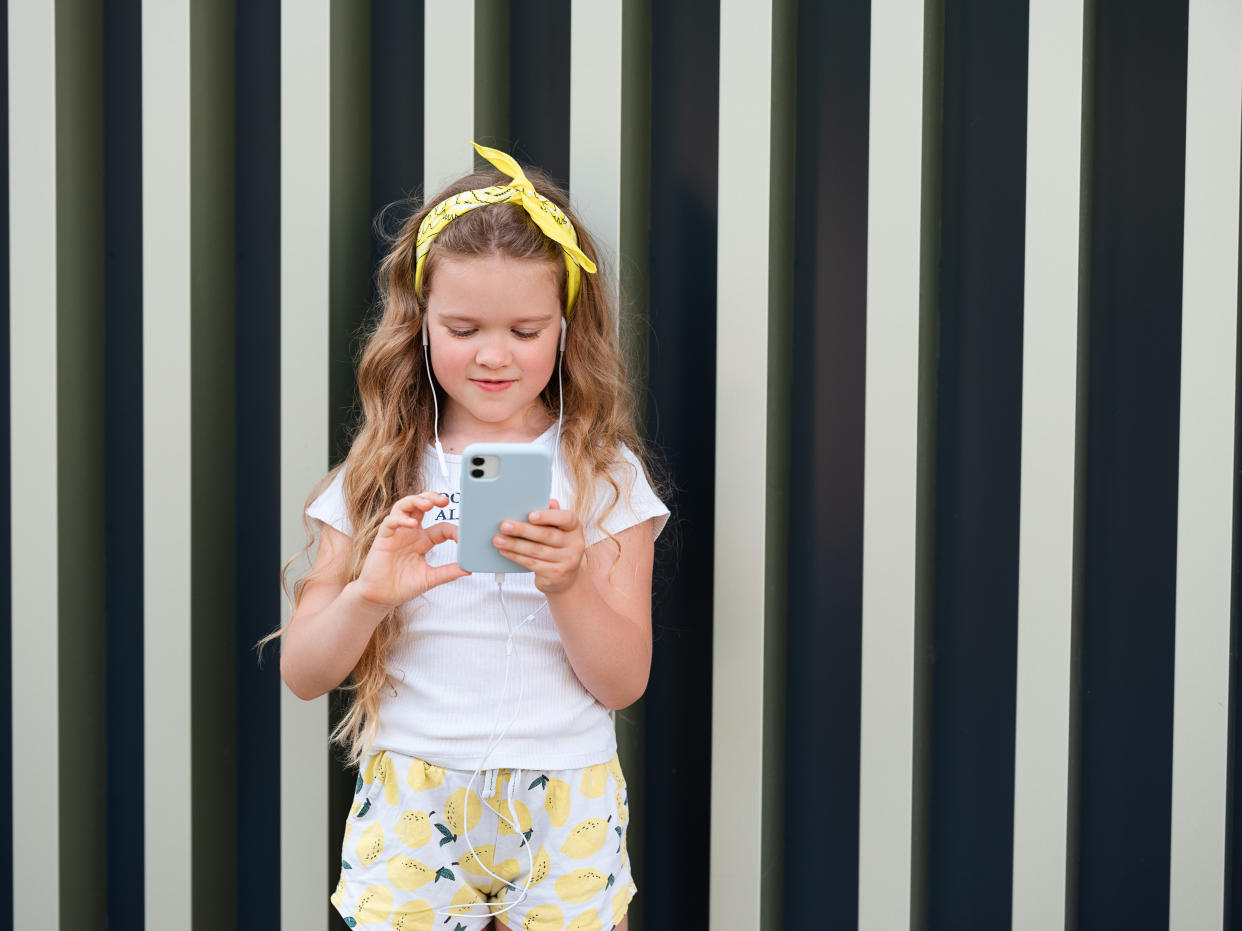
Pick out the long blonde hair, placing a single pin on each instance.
(386, 458)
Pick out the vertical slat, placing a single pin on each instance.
(685, 58)
(1046, 534)
(34, 499)
(57, 487)
(826, 465)
(742, 422)
(891, 468)
(1122, 781)
(448, 91)
(595, 130)
(257, 465)
(304, 426)
(167, 518)
(1205, 465)
(187, 461)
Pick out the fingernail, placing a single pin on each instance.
(507, 527)
(534, 516)
(499, 541)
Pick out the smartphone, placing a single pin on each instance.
(499, 481)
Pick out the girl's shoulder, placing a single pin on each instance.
(328, 507)
(625, 498)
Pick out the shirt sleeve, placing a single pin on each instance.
(329, 507)
(637, 501)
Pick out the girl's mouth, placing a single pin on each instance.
(491, 385)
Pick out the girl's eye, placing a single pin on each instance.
(460, 334)
(525, 334)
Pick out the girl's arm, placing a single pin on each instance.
(334, 619)
(602, 609)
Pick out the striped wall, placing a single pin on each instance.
(934, 309)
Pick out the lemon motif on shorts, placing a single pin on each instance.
(621, 901)
(556, 801)
(544, 918)
(380, 769)
(507, 870)
(453, 811)
(413, 916)
(408, 874)
(519, 813)
(623, 810)
(594, 778)
(479, 860)
(423, 776)
(581, 885)
(543, 864)
(371, 844)
(587, 921)
(374, 905)
(414, 828)
(614, 767)
(465, 899)
(586, 838)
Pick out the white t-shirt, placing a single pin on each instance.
(449, 668)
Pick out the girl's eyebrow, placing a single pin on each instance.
(474, 321)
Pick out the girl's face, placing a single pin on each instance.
(494, 328)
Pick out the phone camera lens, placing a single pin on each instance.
(477, 460)
(477, 473)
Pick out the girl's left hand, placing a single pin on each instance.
(551, 545)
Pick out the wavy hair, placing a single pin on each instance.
(394, 431)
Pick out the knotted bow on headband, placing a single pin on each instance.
(547, 216)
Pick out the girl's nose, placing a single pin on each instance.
(492, 355)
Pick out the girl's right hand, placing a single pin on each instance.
(395, 570)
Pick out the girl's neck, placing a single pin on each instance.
(458, 429)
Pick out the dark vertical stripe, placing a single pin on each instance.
(1137, 179)
(978, 457)
(539, 86)
(824, 664)
(684, 138)
(123, 452)
(258, 459)
(397, 102)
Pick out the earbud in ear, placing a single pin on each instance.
(563, 327)
(424, 331)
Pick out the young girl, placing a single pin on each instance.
(489, 789)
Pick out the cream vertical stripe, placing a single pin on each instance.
(595, 139)
(890, 470)
(304, 268)
(1205, 465)
(304, 299)
(1046, 539)
(739, 581)
(34, 492)
(167, 498)
(448, 91)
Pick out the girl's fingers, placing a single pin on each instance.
(555, 516)
(441, 532)
(424, 501)
(521, 530)
(446, 573)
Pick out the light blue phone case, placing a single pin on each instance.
(523, 484)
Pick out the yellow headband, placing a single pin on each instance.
(547, 216)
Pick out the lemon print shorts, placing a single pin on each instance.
(555, 853)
